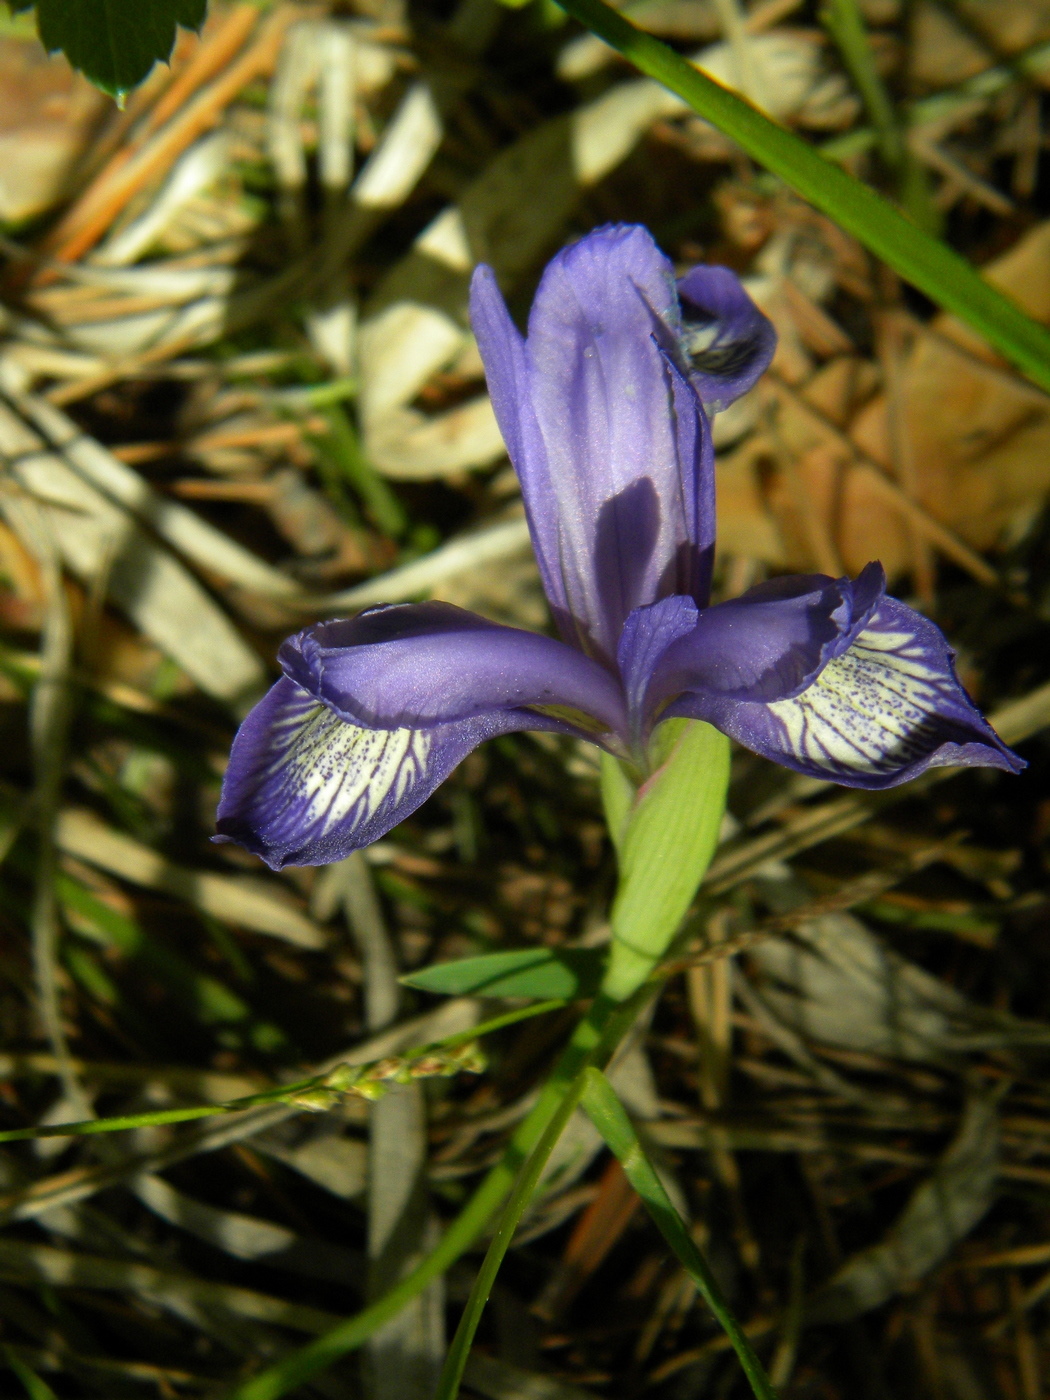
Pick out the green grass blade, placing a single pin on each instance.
(528, 1179)
(595, 1037)
(35, 1388)
(845, 23)
(323, 1086)
(343, 446)
(211, 1000)
(608, 1115)
(926, 263)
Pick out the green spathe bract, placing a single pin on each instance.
(668, 838)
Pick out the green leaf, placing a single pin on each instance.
(667, 843)
(524, 1188)
(35, 1388)
(608, 1115)
(528, 972)
(115, 42)
(595, 1038)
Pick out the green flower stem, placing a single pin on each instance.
(608, 1115)
(595, 1038)
(923, 261)
(528, 1179)
(665, 834)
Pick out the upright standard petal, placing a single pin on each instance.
(608, 438)
(647, 635)
(726, 340)
(878, 713)
(304, 787)
(424, 664)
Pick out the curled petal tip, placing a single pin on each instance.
(728, 342)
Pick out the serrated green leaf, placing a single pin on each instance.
(529, 972)
(115, 42)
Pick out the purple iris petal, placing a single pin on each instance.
(882, 711)
(727, 341)
(424, 664)
(771, 642)
(305, 787)
(507, 373)
(602, 411)
(609, 441)
(647, 635)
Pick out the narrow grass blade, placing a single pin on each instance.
(455, 1362)
(317, 1093)
(845, 22)
(596, 1036)
(35, 1388)
(608, 1115)
(926, 263)
(347, 454)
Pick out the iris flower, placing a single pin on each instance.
(604, 408)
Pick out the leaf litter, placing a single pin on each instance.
(238, 391)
